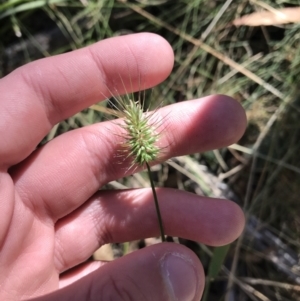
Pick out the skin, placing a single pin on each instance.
(52, 216)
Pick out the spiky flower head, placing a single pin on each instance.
(141, 142)
(141, 138)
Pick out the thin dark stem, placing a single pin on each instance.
(162, 233)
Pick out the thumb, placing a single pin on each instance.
(161, 272)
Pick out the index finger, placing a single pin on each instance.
(37, 96)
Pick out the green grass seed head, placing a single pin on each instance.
(141, 143)
(141, 138)
(140, 128)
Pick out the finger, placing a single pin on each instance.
(42, 93)
(6, 205)
(72, 167)
(161, 272)
(113, 216)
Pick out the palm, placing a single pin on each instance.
(28, 254)
(52, 215)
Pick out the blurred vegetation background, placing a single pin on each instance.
(248, 49)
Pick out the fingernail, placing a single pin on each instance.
(180, 277)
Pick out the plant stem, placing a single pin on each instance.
(156, 204)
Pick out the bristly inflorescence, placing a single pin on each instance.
(141, 138)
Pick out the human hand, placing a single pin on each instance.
(52, 216)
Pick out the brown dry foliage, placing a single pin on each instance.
(276, 17)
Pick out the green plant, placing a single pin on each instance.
(140, 137)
